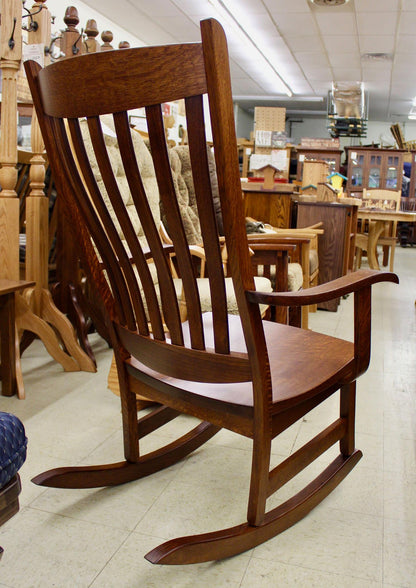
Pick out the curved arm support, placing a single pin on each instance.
(340, 287)
(360, 283)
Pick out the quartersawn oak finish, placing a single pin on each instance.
(251, 376)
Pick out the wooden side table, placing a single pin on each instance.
(8, 289)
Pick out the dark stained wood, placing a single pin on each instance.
(8, 289)
(253, 377)
(268, 206)
(335, 244)
(9, 499)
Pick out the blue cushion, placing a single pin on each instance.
(13, 443)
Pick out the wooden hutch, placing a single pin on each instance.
(373, 168)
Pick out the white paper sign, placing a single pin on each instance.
(35, 52)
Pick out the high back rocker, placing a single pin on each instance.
(250, 376)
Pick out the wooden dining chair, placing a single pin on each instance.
(384, 200)
(248, 375)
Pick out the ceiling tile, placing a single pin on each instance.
(406, 44)
(181, 30)
(309, 58)
(408, 5)
(157, 8)
(336, 23)
(345, 60)
(251, 7)
(371, 23)
(376, 43)
(400, 90)
(376, 72)
(407, 23)
(291, 23)
(318, 73)
(378, 6)
(279, 6)
(336, 43)
(347, 74)
(303, 42)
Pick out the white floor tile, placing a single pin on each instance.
(361, 536)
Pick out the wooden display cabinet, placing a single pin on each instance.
(373, 168)
(332, 156)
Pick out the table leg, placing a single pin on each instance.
(7, 335)
(375, 230)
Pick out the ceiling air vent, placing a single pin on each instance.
(329, 2)
(377, 56)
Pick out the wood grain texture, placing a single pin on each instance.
(253, 377)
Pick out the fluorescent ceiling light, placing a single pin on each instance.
(412, 113)
(272, 98)
(234, 23)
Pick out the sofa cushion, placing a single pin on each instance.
(261, 283)
(13, 443)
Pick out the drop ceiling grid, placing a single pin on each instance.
(322, 44)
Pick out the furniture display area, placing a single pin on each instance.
(35, 311)
(254, 377)
(373, 168)
(377, 220)
(336, 245)
(275, 207)
(269, 206)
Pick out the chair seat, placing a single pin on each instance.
(292, 376)
(13, 443)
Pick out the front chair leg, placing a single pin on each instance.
(347, 411)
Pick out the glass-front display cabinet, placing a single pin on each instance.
(374, 168)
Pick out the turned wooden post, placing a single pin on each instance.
(107, 37)
(71, 42)
(37, 205)
(124, 45)
(10, 58)
(91, 43)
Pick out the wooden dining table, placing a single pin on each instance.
(377, 221)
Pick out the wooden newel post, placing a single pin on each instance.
(37, 205)
(10, 58)
(72, 43)
(107, 37)
(91, 43)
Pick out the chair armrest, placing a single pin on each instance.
(340, 287)
(272, 246)
(360, 283)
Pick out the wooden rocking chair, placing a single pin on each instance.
(253, 377)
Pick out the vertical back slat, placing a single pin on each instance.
(136, 252)
(76, 188)
(206, 212)
(105, 217)
(168, 294)
(170, 204)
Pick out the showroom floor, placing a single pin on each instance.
(363, 535)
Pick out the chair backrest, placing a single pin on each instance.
(115, 83)
(384, 199)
